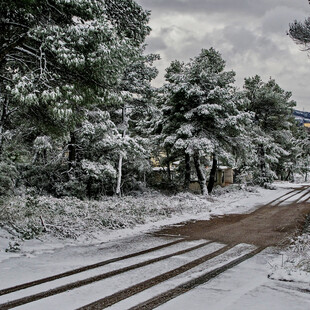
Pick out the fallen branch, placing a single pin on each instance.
(43, 224)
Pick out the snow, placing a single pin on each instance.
(114, 266)
(195, 272)
(246, 286)
(149, 211)
(243, 287)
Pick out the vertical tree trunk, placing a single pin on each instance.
(200, 173)
(44, 156)
(168, 166)
(306, 176)
(262, 164)
(187, 177)
(119, 176)
(88, 187)
(212, 174)
(120, 160)
(72, 150)
(2, 121)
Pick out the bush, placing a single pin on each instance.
(8, 178)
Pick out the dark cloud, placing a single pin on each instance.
(243, 42)
(248, 7)
(277, 20)
(156, 45)
(250, 35)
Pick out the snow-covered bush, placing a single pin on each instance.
(31, 215)
(295, 265)
(8, 175)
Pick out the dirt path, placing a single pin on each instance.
(267, 226)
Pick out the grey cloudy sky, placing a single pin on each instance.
(250, 35)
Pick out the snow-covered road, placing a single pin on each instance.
(245, 286)
(149, 274)
(179, 267)
(144, 271)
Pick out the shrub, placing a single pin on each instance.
(8, 178)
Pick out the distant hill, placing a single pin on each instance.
(302, 117)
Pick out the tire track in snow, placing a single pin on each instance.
(139, 287)
(301, 197)
(295, 193)
(290, 192)
(189, 285)
(90, 280)
(84, 268)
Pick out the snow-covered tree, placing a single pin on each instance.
(58, 55)
(110, 134)
(272, 131)
(136, 92)
(61, 61)
(203, 113)
(300, 33)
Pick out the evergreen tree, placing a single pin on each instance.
(300, 33)
(136, 91)
(272, 134)
(202, 114)
(61, 61)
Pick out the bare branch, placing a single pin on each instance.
(3, 21)
(6, 79)
(54, 8)
(11, 47)
(11, 111)
(25, 51)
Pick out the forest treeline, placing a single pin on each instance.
(80, 117)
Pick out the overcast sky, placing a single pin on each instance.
(250, 35)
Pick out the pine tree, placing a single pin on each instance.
(59, 55)
(60, 61)
(203, 114)
(272, 129)
(136, 91)
(300, 33)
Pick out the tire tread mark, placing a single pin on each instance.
(77, 284)
(137, 288)
(283, 200)
(290, 192)
(84, 268)
(187, 286)
(302, 196)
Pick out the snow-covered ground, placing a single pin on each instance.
(75, 222)
(244, 286)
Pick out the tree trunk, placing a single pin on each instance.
(72, 150)
(262, 164)
(2, 121)
(187, 177)
(306, 176)
(119, 176)
(120, 160)
(44, 156)
(200, 173)
(88, 187)
(168, 166)
(212, 174)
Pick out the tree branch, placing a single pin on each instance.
(5, 78)
(11, 47)
(3, 21)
